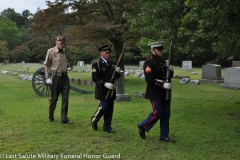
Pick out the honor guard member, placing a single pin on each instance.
(57, 63)
(155, 69)
(102, 71)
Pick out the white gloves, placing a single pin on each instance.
(108, 85)
(48, 81)
(118, 69)
(167, 86)
(171, 68)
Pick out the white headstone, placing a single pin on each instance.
(141, 63)
(80, 63)
(187, 65)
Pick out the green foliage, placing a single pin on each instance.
(4, 52)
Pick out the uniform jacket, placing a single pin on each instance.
(155, 68)
(101, 73)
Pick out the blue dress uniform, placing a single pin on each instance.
(102, 71)
(155, 69)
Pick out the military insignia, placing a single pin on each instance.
(94, 70)
(148, 70)
(54, 55)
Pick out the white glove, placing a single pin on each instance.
(118, 69)
(171, 68)
(48, 81)
(108, 85)
(167, 86)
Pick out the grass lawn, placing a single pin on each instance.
(205, 122)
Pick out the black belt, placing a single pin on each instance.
(59, 74)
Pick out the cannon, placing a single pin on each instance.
(42, 89)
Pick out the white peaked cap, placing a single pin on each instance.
(156, 44)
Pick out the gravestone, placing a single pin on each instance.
(120, 89)
(141, 63)
(235, 63)
(167, 62)
(138, 74)
(187, 65)
(231, 78)
(80, 63)
(211, 71)
(185, 80)
(194, 82)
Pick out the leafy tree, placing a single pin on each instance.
(9, 32)
(20, 52)
(90, 23)
(20, 20)
(4, 52)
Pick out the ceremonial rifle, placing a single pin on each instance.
(113, 78)
(169, 75)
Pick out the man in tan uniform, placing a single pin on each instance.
(56, 62)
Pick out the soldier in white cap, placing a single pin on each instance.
(155, 70)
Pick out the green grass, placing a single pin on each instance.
(205, 122)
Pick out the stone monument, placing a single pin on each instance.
(231, 78)
(187, 65)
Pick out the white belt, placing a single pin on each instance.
(160, 80)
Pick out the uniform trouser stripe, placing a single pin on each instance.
(153, 118)
(97, 112)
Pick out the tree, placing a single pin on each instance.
(20, 52)
(4, 52)
(9, 33)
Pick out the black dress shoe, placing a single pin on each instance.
(109, 131)
(167, 140)
(67, 122)
(51, 120)
(94, 126)
(141, 131)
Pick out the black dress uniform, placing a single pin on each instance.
(56, 61)
(155, 69)
(102, 71)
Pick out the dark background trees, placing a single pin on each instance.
(206, 30)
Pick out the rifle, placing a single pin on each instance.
(168, 76)
(113, 78)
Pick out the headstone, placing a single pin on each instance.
(235, 63)
(232, 75)
(23, 63)
(187, 65)
(80, 63)
(211, 71)
(231, 78)
(120, 89)
(185, 80)
(141, 63)
(138, 74)
(167, 62)
(194, 82)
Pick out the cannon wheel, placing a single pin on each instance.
(38, 84)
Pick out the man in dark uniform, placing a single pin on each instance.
(102, 71)
(56, 62)
(155, 69)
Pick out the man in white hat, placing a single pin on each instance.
(155, 70)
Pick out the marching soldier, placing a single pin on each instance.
(102, 71)
(56, 62)
(155, 69)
